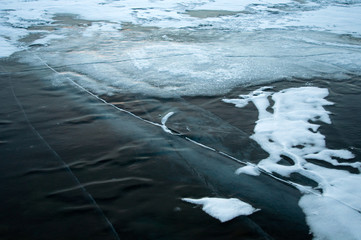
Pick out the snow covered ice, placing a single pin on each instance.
(167, 52)
(291, 131)
(172, 49)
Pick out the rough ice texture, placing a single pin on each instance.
(291, 131)
(171, 62)
(321, 14)
(342, 17)
(223, 209)
(180, 67)
(338, 19)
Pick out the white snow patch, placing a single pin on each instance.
(9, 37)
(47, 39)
(291, 132)
(101, 27)
(223, 209)
(329, 219)
(6, 48)
(339, 19)
(235, 5)
(249, 169)
(191, 66)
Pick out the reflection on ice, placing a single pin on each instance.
(290, 131)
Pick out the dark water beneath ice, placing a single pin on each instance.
(54, 137)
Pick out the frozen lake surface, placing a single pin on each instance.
(126, 119)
